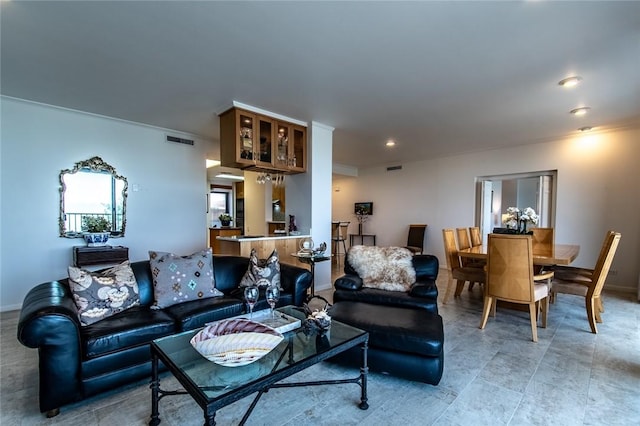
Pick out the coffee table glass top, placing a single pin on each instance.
(215, 381)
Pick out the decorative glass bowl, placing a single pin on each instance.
(235, 342)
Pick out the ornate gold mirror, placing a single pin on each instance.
(92, 189)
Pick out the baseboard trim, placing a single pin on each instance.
(10, 308)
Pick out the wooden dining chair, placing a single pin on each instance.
(543, 241)
(476, 237)
(415, 238)
(588, 283)
(510, 278)
(456, 271)
(463, 238)
(464, 242)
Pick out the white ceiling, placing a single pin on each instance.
(438, 77)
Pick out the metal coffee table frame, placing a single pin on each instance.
(261, 384)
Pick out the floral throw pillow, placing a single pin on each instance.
(262, 273)
(99, 295)
(178, 279)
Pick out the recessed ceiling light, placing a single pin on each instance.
(570, 81)
(580, 111)
(391, 142)
(585, 128)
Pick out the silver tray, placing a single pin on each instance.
(281, 323)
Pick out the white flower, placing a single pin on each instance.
(515, 217)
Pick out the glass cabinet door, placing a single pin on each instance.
(282, 146)
(264, 149)
(297, 151)
(246, 134)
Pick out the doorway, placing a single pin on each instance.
(494, 194)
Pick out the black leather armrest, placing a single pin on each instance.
(295, 280)
(49, 321)
(426, 266)
(426, 289)
(348, 282)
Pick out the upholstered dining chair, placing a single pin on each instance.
(464, 243)
(415, 238)
(510, 278)
(543, 240)
(339, 235)
(463, 238)
(588, 283)
(476, 238)
(456, 271)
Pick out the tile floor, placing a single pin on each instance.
(492, 377)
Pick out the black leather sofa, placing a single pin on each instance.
(406, 334)
(77, 362)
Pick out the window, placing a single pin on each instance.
(219, 202)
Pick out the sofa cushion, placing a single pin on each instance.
(99, 295)
(136, 326)
(262, 273)
(190, 315)
(178, 279)
(384, 268)
(406, 330)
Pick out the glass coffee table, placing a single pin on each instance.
(213, 386)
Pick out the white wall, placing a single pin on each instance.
(598, 189)
(168, 212)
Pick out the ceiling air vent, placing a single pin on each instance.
(179, 140)
(394, 168)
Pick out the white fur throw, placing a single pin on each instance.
(384, 268)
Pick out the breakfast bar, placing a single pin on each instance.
(242, 245)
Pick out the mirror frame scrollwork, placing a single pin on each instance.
(94, 164)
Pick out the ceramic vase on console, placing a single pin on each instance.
(96, 239)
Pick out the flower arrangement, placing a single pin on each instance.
(518, 220)
(95, 224)
(225, 217)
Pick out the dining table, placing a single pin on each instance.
(560, 254)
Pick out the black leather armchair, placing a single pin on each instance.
(406, 335)
(423, 293)
(77, 362)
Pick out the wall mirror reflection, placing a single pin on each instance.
(92, 189)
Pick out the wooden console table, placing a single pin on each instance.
(87, 256)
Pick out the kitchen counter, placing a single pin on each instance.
(264, 245)
(225, 231)
(262, 237)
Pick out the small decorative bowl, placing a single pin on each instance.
(235, 342)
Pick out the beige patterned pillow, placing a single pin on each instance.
(178, 279)
(99, 295)
(262, 273)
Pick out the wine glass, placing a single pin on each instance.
(251, 295)
(273, 294)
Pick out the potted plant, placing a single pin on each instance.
(96, 230)
(225, 219)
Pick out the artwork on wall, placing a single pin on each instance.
(364, 208)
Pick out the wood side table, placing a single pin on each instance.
(87, 256)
